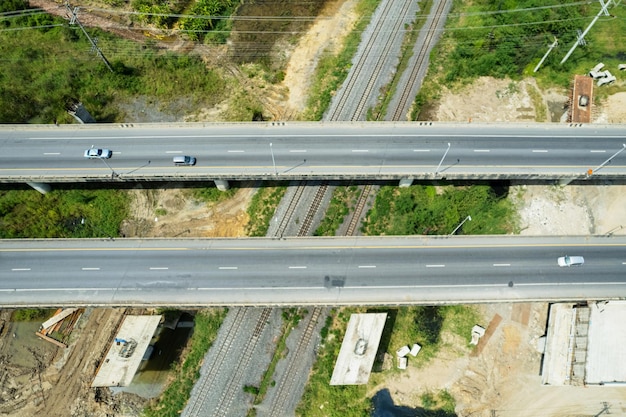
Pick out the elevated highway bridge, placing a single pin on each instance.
(313, 151)
(309, 271)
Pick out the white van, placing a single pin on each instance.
(184, 160)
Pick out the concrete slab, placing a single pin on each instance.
(606, 356)
(123, 359)
(354, 364)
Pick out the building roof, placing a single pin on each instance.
(358, 349)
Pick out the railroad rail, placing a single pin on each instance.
(358, 210)
(418, 65)
(221, 409)
(305, 228)
(208, 379)
(354, 80)
(291, 208)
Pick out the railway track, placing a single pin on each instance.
(358, 210)
(234, 385)
(418, 65)
(354, 80)
(290, 378)
(208, 380)
(305, 228)
(291, 208)
(227, 351)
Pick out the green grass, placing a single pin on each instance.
(428, 210)
(479, 41)
(62, 213)
(332, 70)
(262, 208)
(173, 400)
(343, 200)
(31, 314)
(44, 70)
(212, 194)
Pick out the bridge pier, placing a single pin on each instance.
(222, 185)
(406, 182)
(42, 187)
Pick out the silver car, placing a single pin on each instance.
(98, 153)
(570, 260)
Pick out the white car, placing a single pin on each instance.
(570, 260)
(98, 153)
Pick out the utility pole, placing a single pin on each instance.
(94, 43)
(581, 36)
(554, 44)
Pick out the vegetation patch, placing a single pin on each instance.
(212, 194)
(31, 314)
(344, 199)
(209, 21)
(62, 213)
(262, 208)
(173, 400)
(483, 38)
(430, 210)
(48, 69)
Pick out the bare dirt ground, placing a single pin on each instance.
(173, 212)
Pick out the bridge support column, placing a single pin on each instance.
(221, 185)
(42, 187)
(406, 182)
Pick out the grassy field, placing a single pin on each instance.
(343, 200)
(62, 213)
(430, 210)
(47, 69)
(483, 38)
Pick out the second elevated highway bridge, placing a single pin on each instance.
(308, 271)
(310, 151)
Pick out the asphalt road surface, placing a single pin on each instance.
(312, 151)
(314, 271)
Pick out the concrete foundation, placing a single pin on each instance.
(222, 185)
(42, 187)
(406, 182)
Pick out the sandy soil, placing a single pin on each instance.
(327, 34)
(172, 212)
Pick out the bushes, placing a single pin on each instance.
(419, 210)
(208, 15)
(62, 213)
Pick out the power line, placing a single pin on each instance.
(74, 19)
